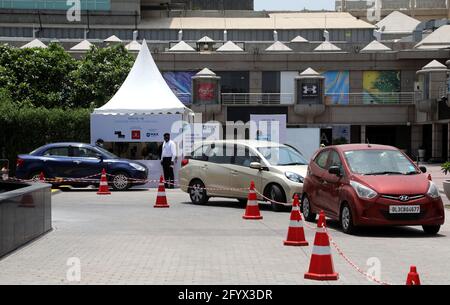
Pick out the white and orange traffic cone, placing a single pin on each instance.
(321, 264)
(252, 209)
(413, 278)
(296, 233)
(103, 188)
(161, 199)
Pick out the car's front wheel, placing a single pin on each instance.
(197, 192)
(120, 181)
(347, 220)
(276, 194)
(431, 230)
(306, 210)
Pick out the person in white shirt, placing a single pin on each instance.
(168, 160)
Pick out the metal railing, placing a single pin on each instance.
(330, 99)
(257, 98)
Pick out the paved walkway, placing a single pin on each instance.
(122, 239)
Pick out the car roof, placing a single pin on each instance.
(348, 147)
(250, 143)
(65, 144)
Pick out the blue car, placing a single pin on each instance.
(79, 160)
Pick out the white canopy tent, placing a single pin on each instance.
(144, 91)
(141, 111)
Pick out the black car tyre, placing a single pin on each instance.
(197, 192)
(431, 230)
(276, 194)
(120, 181)
(346, 220)
(306, 209)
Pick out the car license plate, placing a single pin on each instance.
(404, 209)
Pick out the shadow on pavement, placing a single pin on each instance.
(394, 232)
(234, 204)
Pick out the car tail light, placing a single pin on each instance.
(19, 162)
(184, 162)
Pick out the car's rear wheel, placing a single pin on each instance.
(197, 192)
(120, 181)
(306, 210)
(276, 194)
(347, 220)
(431, 230)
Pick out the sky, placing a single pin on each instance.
(293, 5)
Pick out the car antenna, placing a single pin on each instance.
(368, 143)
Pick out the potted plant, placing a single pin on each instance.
(446, 183)
(422, 152)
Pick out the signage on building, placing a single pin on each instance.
(206, 93)
(310, 90)
(132, 128)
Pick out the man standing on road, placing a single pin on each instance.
(168, 160)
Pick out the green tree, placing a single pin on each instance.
(37, 76)
(99, 75)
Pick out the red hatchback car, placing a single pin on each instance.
(371, 185)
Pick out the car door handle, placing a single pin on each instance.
(77, 162)
(233, 172)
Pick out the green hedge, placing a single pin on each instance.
(26, 128)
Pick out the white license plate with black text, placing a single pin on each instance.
(404, 209)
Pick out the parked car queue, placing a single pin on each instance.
(355, 184)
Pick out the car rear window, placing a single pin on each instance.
(57, 151)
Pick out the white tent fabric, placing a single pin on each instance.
(230, 46)
(35, 43)
(375, 46)
(144, 91)
(85, 45)
(278, 46)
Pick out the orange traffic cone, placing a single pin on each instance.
(252, 209)
(41, 177)
(321, 265)
(296, 233)
(103, 188)
(161, 199)
(413, 277)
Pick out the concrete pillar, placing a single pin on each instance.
(416, 139)
(363, 134)
(448, 141)
(255, 81)
(436, 151)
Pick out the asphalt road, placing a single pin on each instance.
(122, 239)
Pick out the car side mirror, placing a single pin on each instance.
(100, 157)
(256, 165)
(335, 170)
(423, 169)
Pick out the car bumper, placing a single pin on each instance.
(374, 213)
(292, 189)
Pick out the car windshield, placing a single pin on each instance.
(379, 162)
(282, 155)
(110, 155)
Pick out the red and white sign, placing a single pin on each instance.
(135, 134)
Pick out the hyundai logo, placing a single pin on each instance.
(403, 198)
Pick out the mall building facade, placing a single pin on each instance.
(387, 92)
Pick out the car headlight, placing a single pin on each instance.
(294, 177)
(363, 191)
(137, 167)
(433, 191)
